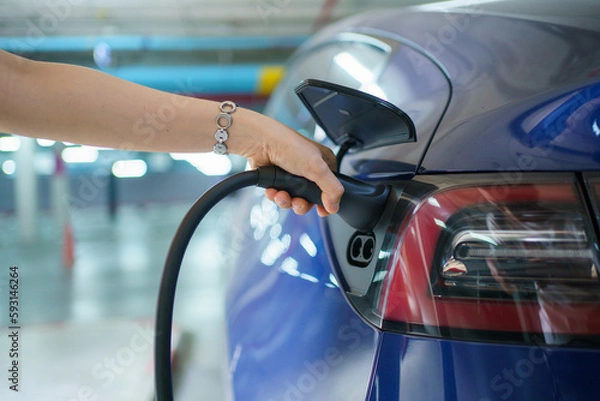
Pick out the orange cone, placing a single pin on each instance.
(68, 247)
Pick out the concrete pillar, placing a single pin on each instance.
(60, 188)
(26, 190)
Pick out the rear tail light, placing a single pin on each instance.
(497, 262)
(593, 184)
(505, 250)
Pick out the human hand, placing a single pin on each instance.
(276, 144)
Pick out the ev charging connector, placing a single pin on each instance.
(361, 206)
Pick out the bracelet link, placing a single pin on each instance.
(226, 117)
(221, 135)
(223, 122)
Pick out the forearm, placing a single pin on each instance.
(81, 105)
(84, 106)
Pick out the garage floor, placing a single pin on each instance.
(85, 331)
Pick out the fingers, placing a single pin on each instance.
(318, 171)
(321, 211)
(316, 167)
(284, 201)
(279, 145)
(281, 198)
(301, 206)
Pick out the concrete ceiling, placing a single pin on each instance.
(175, 17)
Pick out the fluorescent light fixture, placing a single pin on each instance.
(433, 202)
(129, 168)
(446, 5)
(9, 167)
(361, 38)
(373, 88)
(308, 277)
(275, 249)
(206, 163)
(99, 147)
(353, 67)
(308, 244)
(290, 266)
(80, 154)
(10, 144)
(46, 143)
(333, 280)
(439, 223)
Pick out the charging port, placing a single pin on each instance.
(360, 249)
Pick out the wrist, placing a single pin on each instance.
(223, 121)
(249, 133)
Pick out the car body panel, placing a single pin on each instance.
(291, 333)
(403, 76)
(465, 78)
(530, 91)
(420, 368)
(488, 59)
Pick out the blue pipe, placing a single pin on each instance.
(23, 44)
(209, 79)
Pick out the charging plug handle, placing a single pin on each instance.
(361, 206)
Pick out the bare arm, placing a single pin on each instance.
(80, 105)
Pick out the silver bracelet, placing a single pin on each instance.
(223, 123)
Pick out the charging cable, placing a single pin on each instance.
(361, 206)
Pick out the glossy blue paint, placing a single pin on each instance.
(423, 91)
(292, 336)
(510, 89)
(415, 368)
(500, 69)
(487, 93)
(552, 132)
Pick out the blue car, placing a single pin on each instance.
(480, 280)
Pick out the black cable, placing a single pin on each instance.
(361, 206)
(344, 148)
(166, 297)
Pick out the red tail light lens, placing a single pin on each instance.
(492, 262)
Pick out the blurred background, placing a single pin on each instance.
(89, 228)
